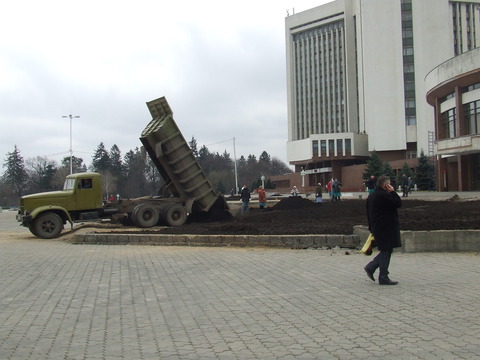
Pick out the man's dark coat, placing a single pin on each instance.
(383, 218)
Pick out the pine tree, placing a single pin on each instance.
(101, 161)
(193, 146)
(425, 178)
(77, 164)
(388, 171)
(374, 166)
(135, 181)
(15, 174)
(116, 165)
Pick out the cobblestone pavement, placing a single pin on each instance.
(64, 301)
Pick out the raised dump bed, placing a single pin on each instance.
(166, 146)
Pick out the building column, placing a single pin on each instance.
(442, 184)
(459, 113)
(459, 172)
(438, 121)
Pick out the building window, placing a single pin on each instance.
(448, 124)
(447, 97)
(410, 103)
(473, 87)
(472, 117)
(411, 154)
(339, 147)
(315, 148)
(323, 147)
(348, 147)
(331, 147)
(411, 120)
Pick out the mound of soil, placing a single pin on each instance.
(296, 215)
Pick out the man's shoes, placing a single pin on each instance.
(387, 282)
(369, 273)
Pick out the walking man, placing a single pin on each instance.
(383, 223)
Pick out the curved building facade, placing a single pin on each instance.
(454, 92)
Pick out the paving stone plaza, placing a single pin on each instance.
(64, 301)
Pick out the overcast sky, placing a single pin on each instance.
(220, 64)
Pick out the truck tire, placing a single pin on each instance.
(47, 225)
(32, 229)
(145, 215)
(174, 215)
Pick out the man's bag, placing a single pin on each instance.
(367, 249)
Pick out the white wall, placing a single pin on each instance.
(433, 44)
(382, 74)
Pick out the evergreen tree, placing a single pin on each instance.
(425, 177)
(153, 177)
(388, 171)
(101, 161)
(135, 181)
(77, 164)
(205, 159)
(115, 160)
(374, 166)
(15, 174)
(193, 146)
(265, 158)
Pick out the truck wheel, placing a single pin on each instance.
(32, 229)
(175, 215)
(145, 215)
(47, 225)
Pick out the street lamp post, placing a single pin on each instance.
(71, 150)
(302, 173)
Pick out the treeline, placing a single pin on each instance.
(130, 175)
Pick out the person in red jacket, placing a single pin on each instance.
(262, 198)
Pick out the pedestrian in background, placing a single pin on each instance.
(371, 184)
(383, 223)
(336, 190)
(329, 189)
(245, 196)
(405, 186)
(262, 198)
(294, 191)
(318, 193)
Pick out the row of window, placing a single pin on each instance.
(463, 91)
(341, 145)
(468, 41)
(408, 63)
(319, 75)
(471, 118)
(328, 29)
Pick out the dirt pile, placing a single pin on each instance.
(302, 216)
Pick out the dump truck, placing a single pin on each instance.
(185, 190)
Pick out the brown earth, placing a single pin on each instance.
(296, 215)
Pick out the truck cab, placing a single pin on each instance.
(46, 213)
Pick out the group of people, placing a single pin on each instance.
(245, 196)
(334, 188)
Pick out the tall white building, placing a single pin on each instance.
(356, 77)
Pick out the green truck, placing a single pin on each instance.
(186, 189)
